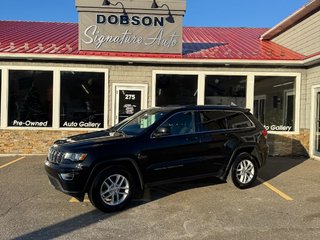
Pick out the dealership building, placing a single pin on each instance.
(61, 79)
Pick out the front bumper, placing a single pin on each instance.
(69, 179)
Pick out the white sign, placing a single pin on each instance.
(81, 124)
(278, 128)
(92, 36)
(29, 123)
(131, 26)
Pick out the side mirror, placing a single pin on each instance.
(162, 131)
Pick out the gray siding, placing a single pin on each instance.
(313, 80)
(304, 110)
(304, 37)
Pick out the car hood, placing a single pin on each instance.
(86, 136)
(91, 138)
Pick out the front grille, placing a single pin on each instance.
(55, 156)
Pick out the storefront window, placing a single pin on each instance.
(82, 100)
(225, 90)
(30, 98)
(274, 102)
(176, 89)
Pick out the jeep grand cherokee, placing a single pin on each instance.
(157, 146)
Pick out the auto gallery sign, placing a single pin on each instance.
(131, 26)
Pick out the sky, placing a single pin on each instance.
(209, 13)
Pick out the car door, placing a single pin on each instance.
(213, 135)
(173, 154)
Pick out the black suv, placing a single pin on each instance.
(156, 146)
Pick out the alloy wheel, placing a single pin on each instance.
(115, 189)
(245, 171)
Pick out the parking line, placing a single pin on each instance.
(274, 189)
(74, 200)
(12, 162)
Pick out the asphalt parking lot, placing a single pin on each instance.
(284, 204)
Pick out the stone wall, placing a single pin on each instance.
(290, 144)
(39, 141)
(30, 141)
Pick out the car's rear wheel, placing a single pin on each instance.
(244, 171)
(111, 190)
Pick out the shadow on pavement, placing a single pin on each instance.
(278, 165)
(274, 167)
(67, 226)
(84, 220)
(158, 192)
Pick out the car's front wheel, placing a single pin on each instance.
(111, 190)
(244, 171)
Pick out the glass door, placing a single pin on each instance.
(129, 99)
(317, 125)
(260, 108)
(129, 103)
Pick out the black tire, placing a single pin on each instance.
(244, 171)
(111, 190)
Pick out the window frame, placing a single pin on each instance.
(200, 100)
(56, 96)
(8, 96)
(189, 73)
(297, 94)
(224, 75)
(315, 89)
(104, 102)
(249, 88)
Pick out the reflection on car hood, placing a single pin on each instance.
(94, 137)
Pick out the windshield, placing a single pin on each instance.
(123, 122)
(139, 123)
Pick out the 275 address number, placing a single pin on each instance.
(130, 97)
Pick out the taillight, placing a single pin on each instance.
(265, 133)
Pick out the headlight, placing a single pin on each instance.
(75, 157)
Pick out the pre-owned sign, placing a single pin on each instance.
(126, 29)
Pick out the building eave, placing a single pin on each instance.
(312, 61)
(104, 59)
(292, 20)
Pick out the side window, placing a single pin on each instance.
(180, 123)
(212, 121)
(238, 120)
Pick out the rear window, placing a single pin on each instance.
(212, 120)
(237, 120)
(221, 120)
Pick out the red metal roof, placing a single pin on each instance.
(198, 42)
